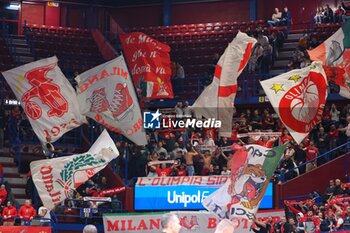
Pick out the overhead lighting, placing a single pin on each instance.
(13, 7)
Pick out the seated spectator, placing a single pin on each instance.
(338, 189)
(338, 15)
(44, 213)
(160, 149)
(319, 15)
(346, 7)
(3, 194)
(305, 62)
(298, 54)
(286, 17)
(346, 217)
(303, 43)
(275, 19)
(339, 221)
(293, 64)
(330, 190)
(26, 213)
(48, 149)
(328, 14)
(103, 185)
(290, 226)
(9, 214)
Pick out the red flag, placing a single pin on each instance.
(149, 65)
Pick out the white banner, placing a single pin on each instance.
(106, 94)
(56, 179)
(47, 98)
(191, 222)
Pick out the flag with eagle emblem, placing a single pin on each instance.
(298, 97)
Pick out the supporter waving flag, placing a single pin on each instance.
(298, 97)
(149, 64)
(335, 52)
(47, 97)
(239, 198)
(106, 94)
(216, 101)
(56, 179)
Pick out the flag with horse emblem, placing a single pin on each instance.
(106, 94)
(47, 97)
(335, 55)
(56, 179)
(298, 97)
(239, 198)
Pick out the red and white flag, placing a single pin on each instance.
(216, 101)
(298, 97)
(106, 94)
(47, 98)
(149, 64)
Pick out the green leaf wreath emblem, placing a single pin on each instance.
(76, 164)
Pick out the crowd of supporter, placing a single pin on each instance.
(181, 152)
(328, 15)
(327, 212)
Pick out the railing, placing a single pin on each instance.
(325, 155)
(37, 221)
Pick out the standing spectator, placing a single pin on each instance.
(330, 190)
(207, 162)
(264, 226)
(160, 149)
(328, 14)
(335, 115)
(300, 157)
(286, 137)
(338, 15)
(187, 110)
(181, 170)
(1, 174)
(275, 19)
(209, 142)
(332, 137)
(262, 39)
(290, 226)
(254, 61)
(322, 145)
(340, 221)
(191, 152)
(338, 190)
(266, 59)
(9, 214)
(180, 71)
(26, 213)
(3, 194)
(178, 110)
(346, 218)
(225, 171)
(346, 7)
(311, 153)
(279, 227)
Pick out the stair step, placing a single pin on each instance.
(25, 59)
(295, 36)
(18, 186)
(20, 200)
(292, 45)
(6, 164)
(7, 160)
(285, 54)
(280, 63)
(17, 180)
(8, 169)
(277, 71)
(12, 175)
(18, 191)
(23, 50)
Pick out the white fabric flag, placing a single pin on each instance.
(56, 179)
(47, 98)
(106, 94)
(216, 101)
(298, 97)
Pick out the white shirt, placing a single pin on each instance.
(44, 211)
(226, 173)
(335, 115)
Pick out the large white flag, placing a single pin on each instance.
(106, 94)
(47, 98)
(240, 197)
(56, 179)
(298, 97)
(216, 101)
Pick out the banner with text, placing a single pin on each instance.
(191, 222)
(149, 64)
(182, 193)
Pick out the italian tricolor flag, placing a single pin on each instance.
(335, 55)
(251, 172)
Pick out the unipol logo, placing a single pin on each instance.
(185, 199)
